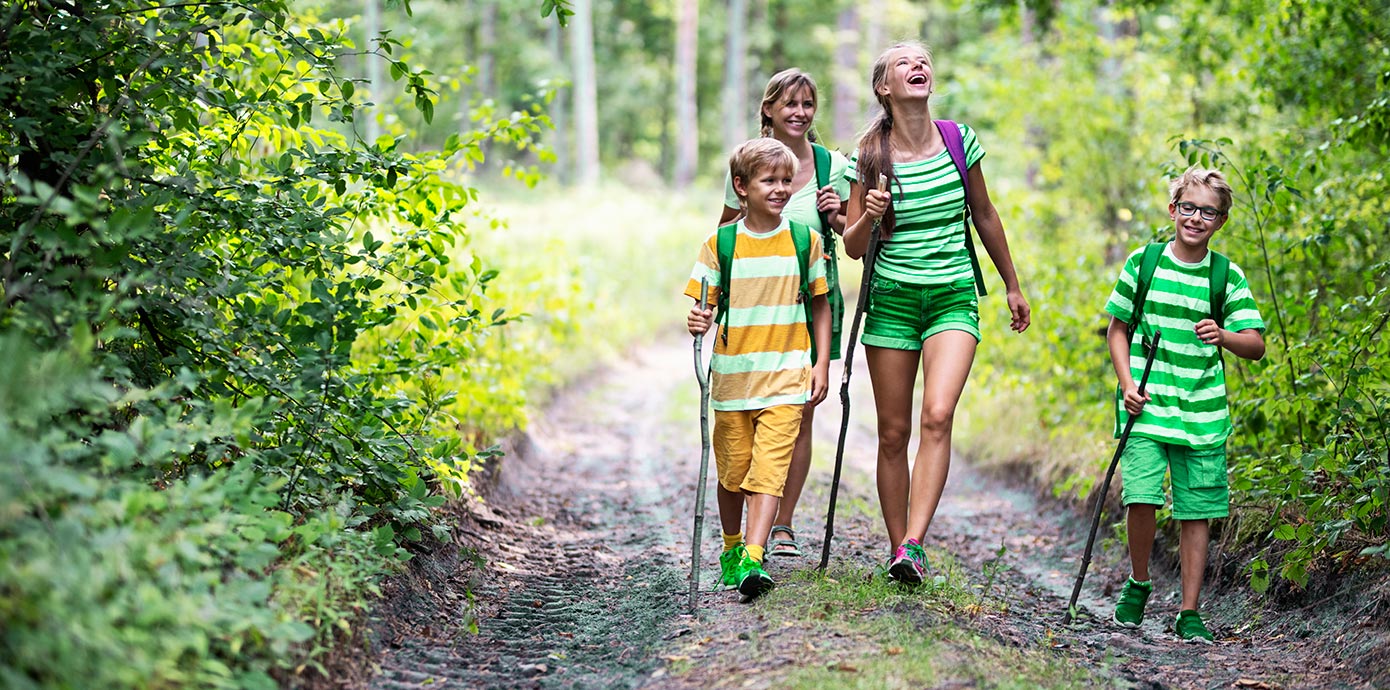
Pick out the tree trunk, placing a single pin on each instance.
(487, 48)
(780, 24)
(873, 35)
(585, 93)
(736, 76)
(1033, 136)
(846, 80)
(1112, 77)
(687, 125)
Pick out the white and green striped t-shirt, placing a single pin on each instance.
(927, 246)
(1187, 386)
(767, 359)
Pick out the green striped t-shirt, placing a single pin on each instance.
(1187, 386)
(927, 246)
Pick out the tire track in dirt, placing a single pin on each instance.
(580, 574)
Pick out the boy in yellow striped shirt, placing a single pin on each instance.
(762, 369)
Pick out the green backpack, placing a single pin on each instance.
(832, 266)
(1220, 268)
(801, 239)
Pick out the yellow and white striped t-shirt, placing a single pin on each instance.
(767, 360)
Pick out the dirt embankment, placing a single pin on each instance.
(573, 573)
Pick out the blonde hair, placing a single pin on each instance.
(785, 82)
(760, 154)
(1211, 179)
(875, 154)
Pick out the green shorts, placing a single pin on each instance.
(1199, 478)
(903, 315)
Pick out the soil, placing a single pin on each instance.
(571, 570)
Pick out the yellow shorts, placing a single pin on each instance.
(753, 448)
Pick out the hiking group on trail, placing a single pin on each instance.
(774, 295)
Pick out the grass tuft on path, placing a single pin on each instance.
(857, 631)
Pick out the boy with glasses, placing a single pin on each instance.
(1182, 420)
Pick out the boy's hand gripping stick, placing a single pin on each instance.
(869, 260)
(702, 376)
(1151, 349)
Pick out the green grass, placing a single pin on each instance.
(594, 271)
(876, 634)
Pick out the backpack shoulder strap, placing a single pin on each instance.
(1220, 273)
(955, 145)
(724, 247)
(822, 158)
(1147, 265)
(801, 239)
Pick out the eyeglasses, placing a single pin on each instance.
(1187, 208)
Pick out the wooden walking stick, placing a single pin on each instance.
(869, 260)
(1152, 350)
(701, 375)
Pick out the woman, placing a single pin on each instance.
(922, 304)
(788, 114)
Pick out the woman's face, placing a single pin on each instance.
(909, 75)
(792, 114)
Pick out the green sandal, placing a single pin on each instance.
(790, 547)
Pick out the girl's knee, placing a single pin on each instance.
(937, 421)
(893, 438)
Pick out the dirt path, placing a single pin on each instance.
(574, 574)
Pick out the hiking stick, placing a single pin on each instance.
(869, 260)
(1152, 349)
(702, 376)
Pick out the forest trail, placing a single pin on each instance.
(575, 574)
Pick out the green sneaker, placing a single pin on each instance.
(728, 566)
(752, 579)
(1129, 610)
(1191, 629)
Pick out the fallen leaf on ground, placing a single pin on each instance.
(1251, 683)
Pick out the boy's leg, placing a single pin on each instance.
(775, 430)
(893, 374)
(733, 453)
(1141, 523)
(1142, 466)
(730, 510)
(761, 508)
(774, 434)
(1192, 554)
(1200, 494)
(753, 580)
(796, 474)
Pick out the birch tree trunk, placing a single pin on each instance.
(585, 93)
(687, 123)
(846, 79)
(736, 76)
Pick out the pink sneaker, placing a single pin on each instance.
(909, 563)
